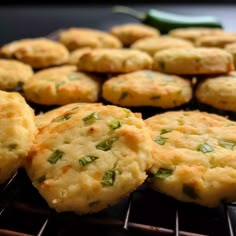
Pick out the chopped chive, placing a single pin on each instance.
(63, 117)
(163, 173)
(204, 148)
(189, 191)
(227, 144)
(160, 140)
(109, 178)
(95, 203)
(164, 131)
(86, 160)
(12, 146)
(91, 118)
(74, 76)
(123, 95)
(56, 155)
(106, 144)
(155, 97)
(114, 124)
(60, 84)
(127, 112)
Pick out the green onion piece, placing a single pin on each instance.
(64, 117)
(91, 118)
(59, 84)
(108, 178)
(106, 144)
(123, 95)
(114, 124)
(204, 147)
(56, 155)
(189, 191)
(164, 131)
(160, 140)
(86, 160)
(163, 173)
(227, 144)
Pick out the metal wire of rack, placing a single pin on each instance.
(24, 213)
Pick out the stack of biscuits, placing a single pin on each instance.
(92, 150)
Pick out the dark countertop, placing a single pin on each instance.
(21, 21)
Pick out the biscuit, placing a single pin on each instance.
(147, 88)
(219, 41)
(75, 38)
(114, 61)
(231, 48)
(44, 119)
(76, 54)
(13, 74)
(218, 92)
(131, 32)
(193, 61)
(18, 129)
(193, 33)
(62, 85)
(153, 44)
(194, 157)
(37, 52)
(90, 159)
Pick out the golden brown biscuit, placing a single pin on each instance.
(37, 52)
(90, 158)
(152, 45)
(76, 54)
(231, 48)
(147, 88)
(75, 38)
(194, 157)
(193, 33)
(62, 85)
(193, 61)
(114, 61)
(13, 73)
(18, 129)
(131, 32)
(218, 92)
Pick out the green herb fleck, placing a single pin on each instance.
(164, 131)
(86, 160)
(106, 144)
(162, 65)
(127, 112)
(108, 178)
(60, 84)
(204, 147)
(92, 204)
(123, 95)
(12, 146)
(56, 155)
(160, 140)
(163, 173)
(74, 76)
(64, 117)
(155, 97)
(189, 191)
(227, 144)
(114, 124)
(91, 118)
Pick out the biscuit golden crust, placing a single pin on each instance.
(75, 38)
(37, 52)
(193, 33)
(90, 158)
(218, 92)
(13, 73)
(219, 41)
(147, 88)
(193, 61)
(231, 48)
(114, 61)
(151, 45)
(62, 85)
(194, 157)
(76, 54)
(18, 129)
(129, 33)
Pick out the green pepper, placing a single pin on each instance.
(165, 21)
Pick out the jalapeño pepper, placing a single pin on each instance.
(167, 21)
